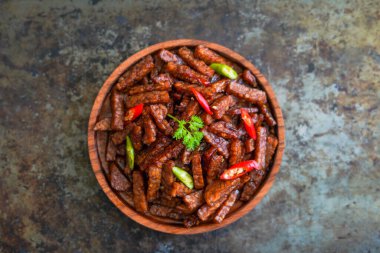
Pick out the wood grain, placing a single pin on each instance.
(165, 225)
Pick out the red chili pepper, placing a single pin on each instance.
(248, 123)
(202, 101)
(239, 169)
(134, 112)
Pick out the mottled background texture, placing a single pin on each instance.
(322, 58)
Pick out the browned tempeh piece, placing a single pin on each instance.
(249, 78)
(221, 105)
(139, 198)
(218, 142)
(186, 156)
(215, 166)
(224, 129)
(163, 211)
(119, 136)
(251, 95)
(103, 125)
(219, 189)
(272, 143)
(237, 111)
(151, 97)
(264, 109)
(136, 137)
(150, 129)
(218, 86)
(167, 176)
(185, 88)
(120, 150)
(226, 206)
(117, 180)
(207, 118)
(191, 221)
(117, 108)
(249, 145)
(258, 120)
(145, 159)
(111, 151)
(251, 187)
(194, 200)
(136, 73)
(208, 154)
(159, 112)
(260, 147)
(154, 182)
(236, 151)
(120, 161)
(149, 87)
(187, 74)
(179, 190)
(168, 56)
(166, 200)
(188, 56)
(209, 56)
(162, 79)
(192, 108)
(206, 211)
(171, 151)
(196, 166)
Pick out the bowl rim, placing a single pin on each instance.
(145, 220)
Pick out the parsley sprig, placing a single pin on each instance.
(189, 131)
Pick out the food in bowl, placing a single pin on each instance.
(192, 136)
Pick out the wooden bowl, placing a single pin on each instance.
(96, 141)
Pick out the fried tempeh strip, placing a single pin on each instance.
(272, 143)
(136, 73)
(215, 167)
(217, 87)
(187, 74)
(218, 142)
(185, 88)
(117, 108)
(194, 200)
(191, 221)
(139, 198)
(163, 211)
(103, 125)
(237, 111)
(167, 176)
(192, 108)
(146, 158)
(179, 190)
(224, 129)
(150, 129)
(136, 137)
(188, 56)
(209, 56)
(159, 112)
(249, 78)
(149, 87)
(251, 95)
(196, 166)
(249, 145)
(251, 187)
(206, 211)
(260, 147)
(186, 156)
(221, 105)
(207, 118)
(264, 109)
(119, 136)
(226, 206)
(151, 97)
(168, 56)
(236, 151)
(128, 198)
(154, 182)
(117, 180)
(219, 189)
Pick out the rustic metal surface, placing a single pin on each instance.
(322, 58)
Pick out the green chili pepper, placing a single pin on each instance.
(224, 70)
(184, 177)
(130, 152)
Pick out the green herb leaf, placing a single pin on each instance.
(190, 135)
